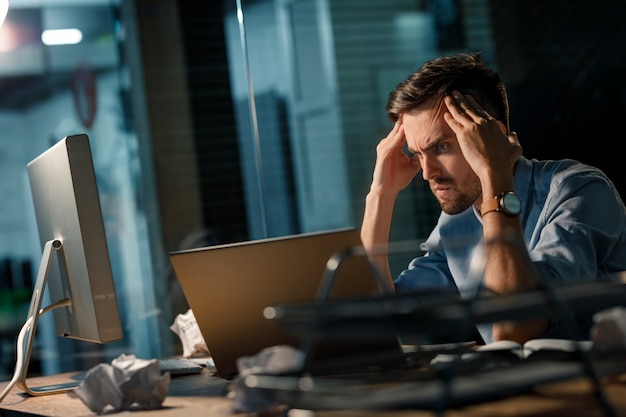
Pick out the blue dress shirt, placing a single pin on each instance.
(574, 225)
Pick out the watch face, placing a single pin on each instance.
(511, 204)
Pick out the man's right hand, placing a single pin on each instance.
(394, 169)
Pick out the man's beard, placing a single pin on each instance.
(462, 201)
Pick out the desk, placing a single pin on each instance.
(188, 396)
(203, 395)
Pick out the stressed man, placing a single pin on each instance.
(530, 223)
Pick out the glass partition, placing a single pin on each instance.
(310, 80)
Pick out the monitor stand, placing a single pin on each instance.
(26, 337)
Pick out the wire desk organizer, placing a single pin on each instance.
(427, 313)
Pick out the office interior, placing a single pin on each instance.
(225, 121)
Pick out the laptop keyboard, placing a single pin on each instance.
(179, 366)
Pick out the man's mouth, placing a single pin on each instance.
(441, 190)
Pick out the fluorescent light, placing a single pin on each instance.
(61, 36)
(4, 8)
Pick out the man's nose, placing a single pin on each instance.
(430, 168)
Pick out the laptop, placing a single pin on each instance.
(228, 287)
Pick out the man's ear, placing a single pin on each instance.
(514, 141)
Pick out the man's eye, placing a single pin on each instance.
(441, 148)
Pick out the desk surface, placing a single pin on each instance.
(204, 395)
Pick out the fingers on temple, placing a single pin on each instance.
(395, 137)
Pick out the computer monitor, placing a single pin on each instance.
(75, 263)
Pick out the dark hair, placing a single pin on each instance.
(438, 78)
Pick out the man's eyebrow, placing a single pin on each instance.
(429, 146)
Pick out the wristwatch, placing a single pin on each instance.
(507, 203)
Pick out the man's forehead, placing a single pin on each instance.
(425, 125)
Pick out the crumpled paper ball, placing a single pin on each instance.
(126, 382)
(269, 361)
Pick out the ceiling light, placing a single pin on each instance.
(61, 36)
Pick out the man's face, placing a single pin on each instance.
(450, 177)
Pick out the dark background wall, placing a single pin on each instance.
(213, 119)
(564, 62)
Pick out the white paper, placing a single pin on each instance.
(186, 328)
(609, 329)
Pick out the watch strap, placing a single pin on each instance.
(493, 204)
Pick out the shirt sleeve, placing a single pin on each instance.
(427, 271)
(579, 235)
(433, 272)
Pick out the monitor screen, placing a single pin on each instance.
(75, 267)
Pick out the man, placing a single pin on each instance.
(530, 223)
